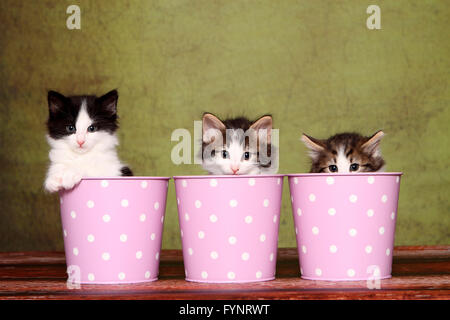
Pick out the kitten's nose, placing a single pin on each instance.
(234, 169)
(80, 142)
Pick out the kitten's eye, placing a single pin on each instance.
(354, 167)
(225, 154)
(70, 129)
(92, 128)
(333, 168)
(246, 155)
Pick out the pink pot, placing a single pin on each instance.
(229, 226)
(113, 229)
(345, 224)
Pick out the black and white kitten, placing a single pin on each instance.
(345, 153)
(238, 146)
(82, 137)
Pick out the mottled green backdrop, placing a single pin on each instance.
(313, 64)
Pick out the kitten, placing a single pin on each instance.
(345, 152)
(237, 146)
(81, 134)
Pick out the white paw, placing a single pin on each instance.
(70, 179)
(53, 183)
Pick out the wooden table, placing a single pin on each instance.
(418, 273)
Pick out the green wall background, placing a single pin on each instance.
(313, 65)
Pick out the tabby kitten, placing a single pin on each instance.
(238, 146)
(82, 137)
(345, 152)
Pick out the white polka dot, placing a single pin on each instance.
(381, 230)
(104, 183)
(186, 217)
(353, 198)
(157, 256)
(178, 201)
(73, 214)
(198, 204)
(106, 256)
(352, 232)
(232, 240)
(162, 219)
(266, 203)
(156, 205)
(248, 219)
(91, 277)
(251, 181)
(61, 200)
(296, 230)
(144, 184)
(106, 218)
(231, 275)
(214, 255)
(301, 270)
(139, 255)
(393, 215)
(333, 248)
(233, 203)
(318, 272)
(368, 249)
(90, 204)
(304, 249)
(271, 257)
(190, 251)
(315, 230)
(213, 183)
(275, 218)
(397, 179)
(384, 198)
(204, 274)
(332, 211)
(124, 203)
(296, 180)
(142, 217)
(65, 233)
(370, 180)
(388, 251)
(292, 199)
(258, 274)
(123, 237)
(213, 218)
(201, 235)
(245, 256)
(76, 251)
(152, 236)
(351, 273)
(121, 276)
(90, 238)
(330, 180)
(312, 197)
(370, 213)
(184, 183)
(279, 181)
(299, 212)
(262, 238)
(147, 274)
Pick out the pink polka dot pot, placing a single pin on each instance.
(112, 229)
(229, 226)
(345, 224)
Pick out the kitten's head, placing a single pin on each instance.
(236, 146)
(81, 123)
(345, 152)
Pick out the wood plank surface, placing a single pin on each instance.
(421, 272)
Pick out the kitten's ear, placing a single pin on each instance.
(210, 121)
(264, 123)
(56, 102)
(108, 102)
(372, 145)
(314, 145)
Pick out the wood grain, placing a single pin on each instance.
(421, 272)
